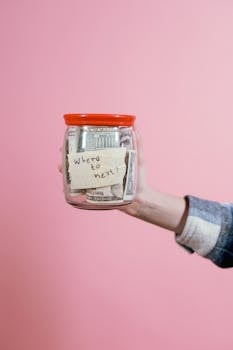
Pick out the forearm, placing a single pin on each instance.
(161, 209)
(201, 225)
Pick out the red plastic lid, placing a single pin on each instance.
(100, 119)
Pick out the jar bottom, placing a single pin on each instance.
(80, 200)
(81, 203)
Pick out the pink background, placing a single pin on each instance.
(72, 279)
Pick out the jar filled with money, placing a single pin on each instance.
(99, 160)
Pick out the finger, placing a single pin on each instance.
(140, 152)
(142, 177)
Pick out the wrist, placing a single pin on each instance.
(161, 209)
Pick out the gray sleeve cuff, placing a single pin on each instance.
(202, 226)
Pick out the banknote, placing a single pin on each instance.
(130, 184)
(94, 137)
(126, 139)
(72, 140)
(110, 194)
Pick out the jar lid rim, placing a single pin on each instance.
(99, 119)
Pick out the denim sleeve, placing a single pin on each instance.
(208, 230)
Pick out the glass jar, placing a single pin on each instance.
(99, 160)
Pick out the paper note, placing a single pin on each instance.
(93, 169)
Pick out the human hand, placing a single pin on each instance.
(161, 209)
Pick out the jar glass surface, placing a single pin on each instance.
(99, 166)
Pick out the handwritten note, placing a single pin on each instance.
(93, 169)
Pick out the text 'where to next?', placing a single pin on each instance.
(93, 169)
